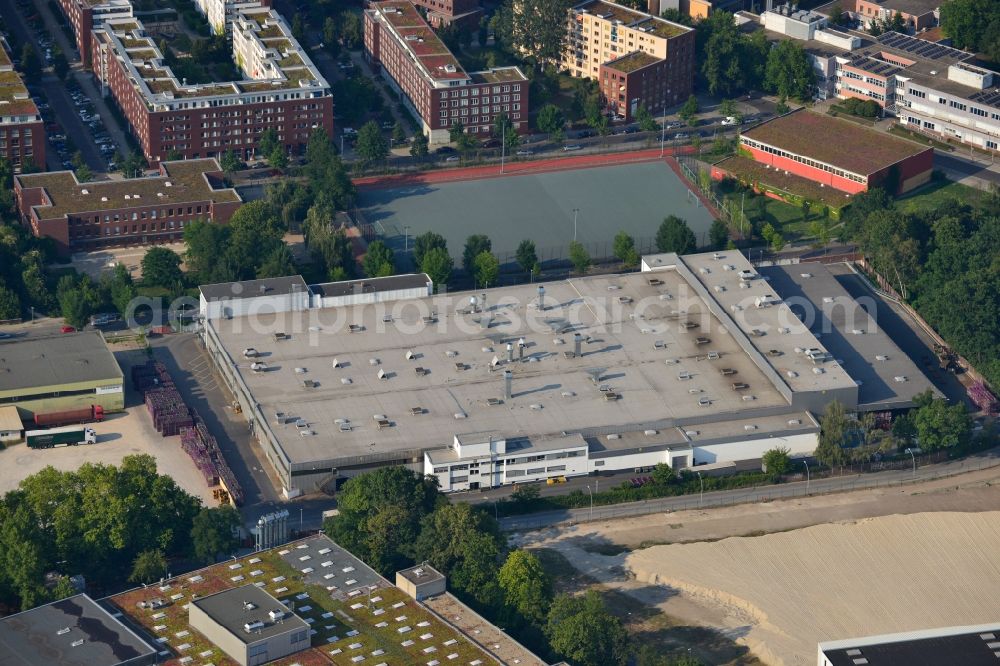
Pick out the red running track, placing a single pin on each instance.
(516, 168)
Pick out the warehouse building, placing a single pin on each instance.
(838, 153)
(697, 361)
(62, 372)
(249, 624)
(135, 211)
(976, 645)
(11, 428)
(75, 630)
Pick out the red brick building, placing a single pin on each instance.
(282, 90)
(640, 79)
(465, 14)
(400, 44)
(838, 153)
(83, 15)
(112, 213)
(22, 132)
(917, 14)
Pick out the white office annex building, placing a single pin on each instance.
(695, 361)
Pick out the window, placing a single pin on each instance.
(536, 470)
(299, 636)
(257, 650)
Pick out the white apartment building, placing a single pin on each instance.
(222, 13)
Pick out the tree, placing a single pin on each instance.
(31, 65)
(645, 119)
(503, 129)
(132, 165)
(278, 263)
(351, 34)
(456, 131)
(973, 25)
(299, 28)
(419, 146)
(579, 257)
(379, 260)
(398, 133)
(122, 288)
(836, 13)
(582, 630)
(213, 532)
(426, 241)
(10, 304)
(60, 65)
(268, 142)
(230, 162)
(486, 268)
(330, 34)
(161, 267)
(464, 544)
(939, 425)
(206, 243)
(833, 430)
(776, 461)
(773, 237)
(371, 146)
(75, 308)
(254, 231)
(789, 73)
(148, 566)
(550, 119)
(83, 173)
(393, 499)
(526, 588)
(721, 54)
(624, 247)
(718, 234)
(526, 255)
(474, 246)
(278, 158)
(438, 265)
(688, 111)
(536, 29)
(674, 235)
(663, 475)
(676, 16)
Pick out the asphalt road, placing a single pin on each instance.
(761, 494)
(956, 165)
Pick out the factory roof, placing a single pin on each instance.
(390, 283)
(421, 574)
(887, 378)
(75, 630)
(10, 420)
(969, 646)
(237, 607)
(70, 358)
(180, 182)
(369, 382)
(279, 286)
(839, 143)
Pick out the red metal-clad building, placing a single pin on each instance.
(111, 213)
(838, 153)
(22, 132)
(433, 85)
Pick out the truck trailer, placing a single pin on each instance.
(94, 413)
(67, 436)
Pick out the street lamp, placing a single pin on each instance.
(576, 212)
(503, 145)
(806, 463)
(701, 490)
(406, 238)
(300, 520)
(591, 502)
(914, 458)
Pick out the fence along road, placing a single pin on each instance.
(824, 486)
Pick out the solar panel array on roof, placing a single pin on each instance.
(987, 97)
(920, 47)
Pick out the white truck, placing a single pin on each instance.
(66, 436)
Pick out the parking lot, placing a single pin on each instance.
(120, 435)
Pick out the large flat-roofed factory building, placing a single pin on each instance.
(696, 361)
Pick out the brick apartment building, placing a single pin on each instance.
(932, 88)
(111, 213)
(22, 132)
(464, 14)
(85, 15)
(433, 85)
(636, 58)
(282, 89)
(838, 153)
(917, 14)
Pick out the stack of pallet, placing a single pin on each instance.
(207, 456)
(984, 398)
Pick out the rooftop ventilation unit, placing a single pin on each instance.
(104, 199)
(85, 191)
(251, 627)
(276, 614)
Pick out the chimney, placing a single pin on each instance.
(541, 297)
(508, 380)
(510, 353)
(520, 349)
(577, 342)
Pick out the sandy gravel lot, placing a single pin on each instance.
(880, 575)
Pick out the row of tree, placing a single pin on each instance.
(100, 521)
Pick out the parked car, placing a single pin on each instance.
(452, 158)
(575, 146)
(67, 329)
(445, 150)
(525, 152)
(731, 120)
(349, 131)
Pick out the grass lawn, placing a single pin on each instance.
(645, 623)
(761, 210)
(936, 193)
(919, 138)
